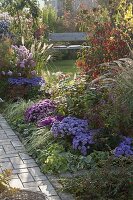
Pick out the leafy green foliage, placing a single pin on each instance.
(42, 54)
(15, 112)
(25, 20)
(49, 17)
(53, 159)
(111, 181)
(107, 140)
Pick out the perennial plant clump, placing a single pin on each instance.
(125, 148)
(40, 110)
(35, 81)
(77, 129)
(106, 45)
(4, 27)
(25, 64)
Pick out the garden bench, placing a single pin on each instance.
(67, 38)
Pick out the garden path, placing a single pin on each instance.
(25, 172)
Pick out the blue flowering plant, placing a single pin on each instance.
(35, 81)
(4, 27)
(81, 136)
(125, 148)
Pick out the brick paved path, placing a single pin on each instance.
(26, 173)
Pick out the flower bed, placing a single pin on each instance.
(82, 123)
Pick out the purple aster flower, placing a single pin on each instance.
(9, 73)
(33, 72)
(78, 130)
(48, 121)
(22, 65)
(40, 110)
(3, 73)
(32, 63)
(30, 56)
(125, 148)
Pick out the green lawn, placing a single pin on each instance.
(65, 66)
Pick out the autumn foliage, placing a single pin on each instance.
(106, 44)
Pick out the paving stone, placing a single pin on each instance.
(48, 190)
(35, 171)
(20, 149)
(29, 161)
(19, 171)
(34, 184)
(13, 137)
(22, 166)
(54, 198)
(16, 160)
(16, 183)
(14, 176)
(6, 165)
(9, 131)
(26, 177)
(34, 189)
(25, 172)
(9, 155)
(40, 178)
(24, 156)
(5, 126)
(2, 160)
(2, 131)
(16, 143)
(3, 136)
(5, 141)
(2, 151)
(9, 149)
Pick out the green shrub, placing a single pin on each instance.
(111, 181)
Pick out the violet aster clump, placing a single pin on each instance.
(40, 110)
(24, 57)
(25, 63)
(48, 121)
(125, 148)
(77, 129)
